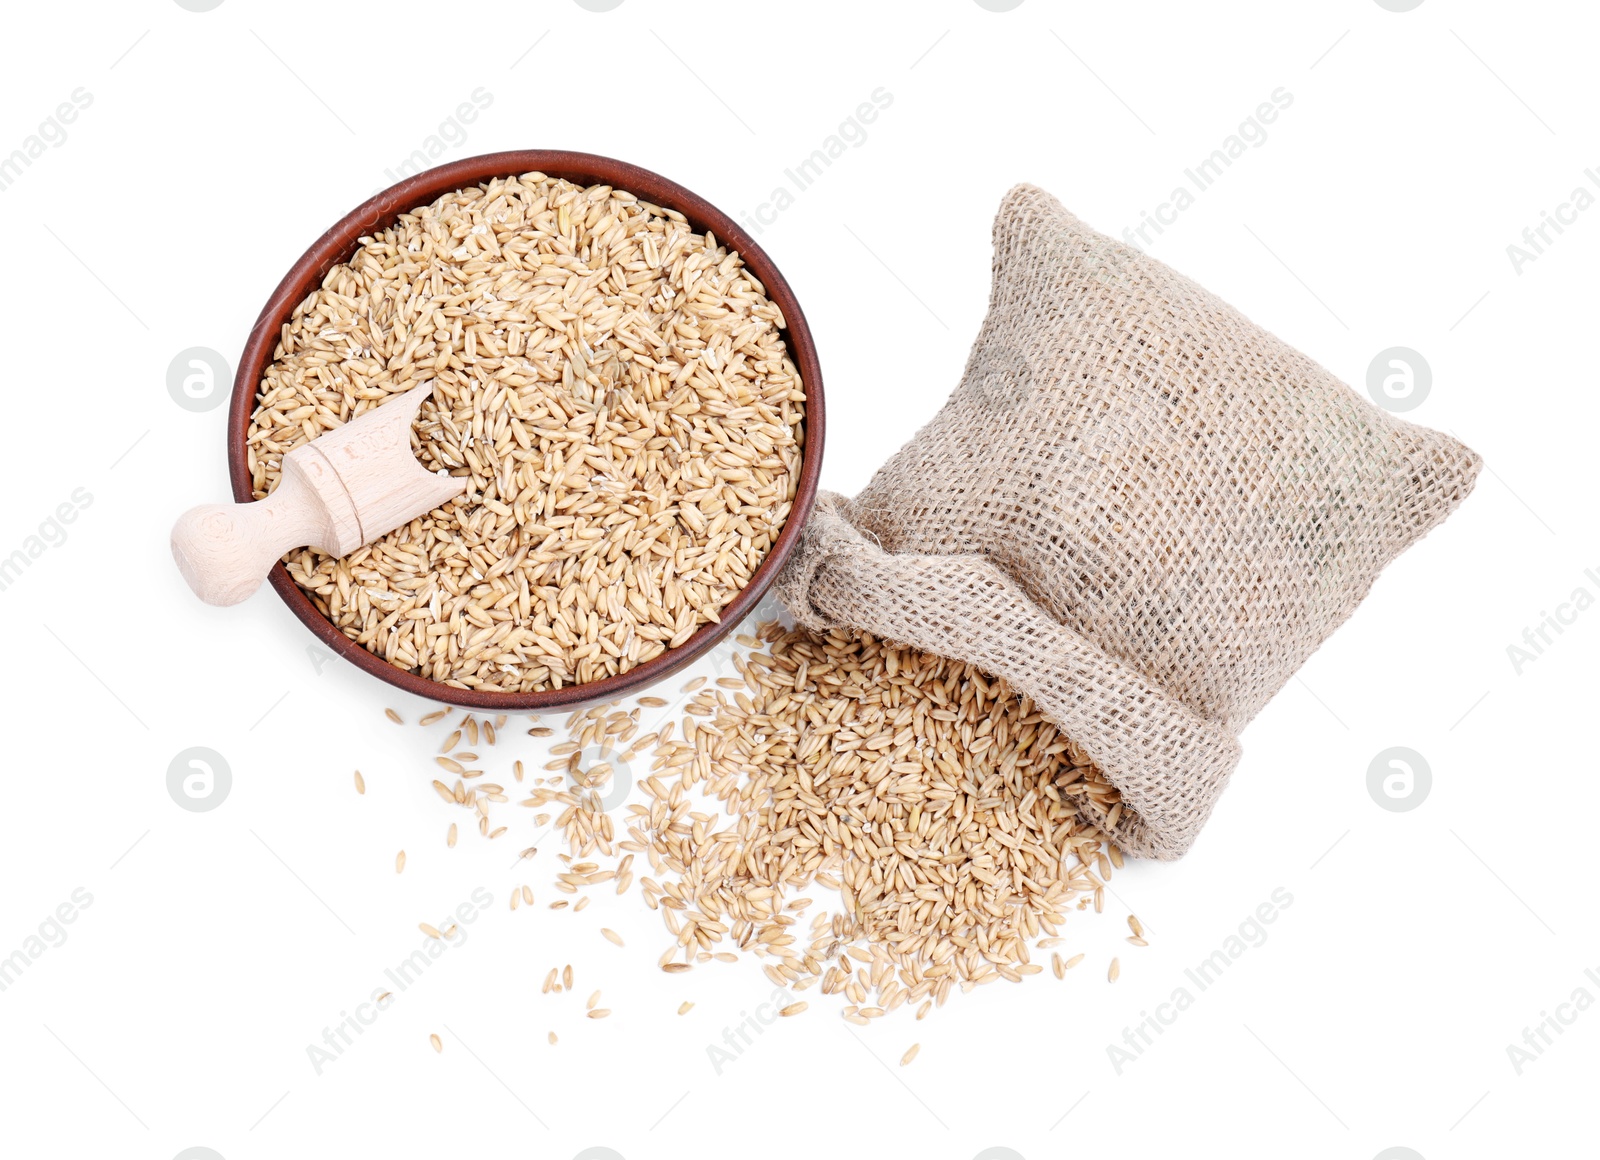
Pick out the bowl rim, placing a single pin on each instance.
(380, 210)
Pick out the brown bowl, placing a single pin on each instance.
(379, 211)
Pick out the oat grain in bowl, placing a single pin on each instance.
(614, 386)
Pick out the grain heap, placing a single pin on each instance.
(957, 825)
(614, 387)
(945, 809)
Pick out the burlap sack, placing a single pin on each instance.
(1138, 507)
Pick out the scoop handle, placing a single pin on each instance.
(225, 550)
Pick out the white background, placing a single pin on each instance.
(218, 945)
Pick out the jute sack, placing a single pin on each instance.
(1139, 508)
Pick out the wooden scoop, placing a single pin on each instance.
(336, 493)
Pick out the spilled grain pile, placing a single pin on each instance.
(946, 812)
(935, 819)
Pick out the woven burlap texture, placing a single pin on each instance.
(1138, 507)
